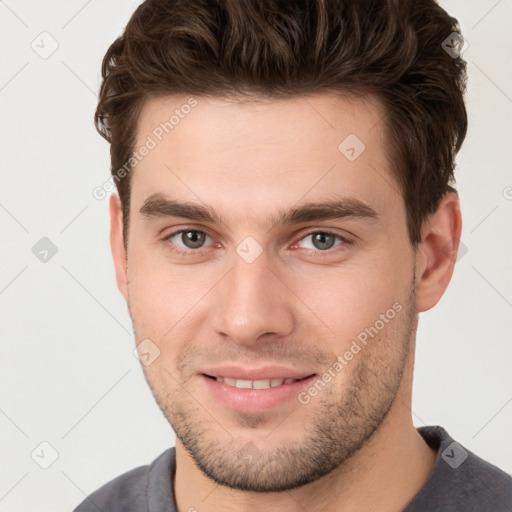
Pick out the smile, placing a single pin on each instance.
(254, 384)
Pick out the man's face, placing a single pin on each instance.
(253, 300)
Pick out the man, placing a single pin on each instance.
(284, 213)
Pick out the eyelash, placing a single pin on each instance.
(200, 252)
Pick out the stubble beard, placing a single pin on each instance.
(341, 421)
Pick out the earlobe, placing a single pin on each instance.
(117, 244)
(437, 252)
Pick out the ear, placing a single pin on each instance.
(437, 252)
(117, 244)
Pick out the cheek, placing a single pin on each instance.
(152, 299)
(351, 298)
(163, 296)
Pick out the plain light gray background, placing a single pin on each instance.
(68, 374)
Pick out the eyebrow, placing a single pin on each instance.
(157, 206)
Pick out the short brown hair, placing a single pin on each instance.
(392, 49)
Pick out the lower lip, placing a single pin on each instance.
(254, 400)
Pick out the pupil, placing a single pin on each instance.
(193, 239)
(323, 240)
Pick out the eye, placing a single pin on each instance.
(187, 239)
(192, 242)
(323, 240)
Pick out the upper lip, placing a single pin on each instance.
(261, 373)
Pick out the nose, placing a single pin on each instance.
(251, 302)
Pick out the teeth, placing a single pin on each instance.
(243, 383)
(254, 384)
(260, 384)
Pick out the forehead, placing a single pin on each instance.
(206, 120)
(232, 153)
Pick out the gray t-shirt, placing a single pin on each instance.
(459, 481)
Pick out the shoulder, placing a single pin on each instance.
(129, 491)
(460, 480)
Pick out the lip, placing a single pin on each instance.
(255, 400)
(261, 373)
